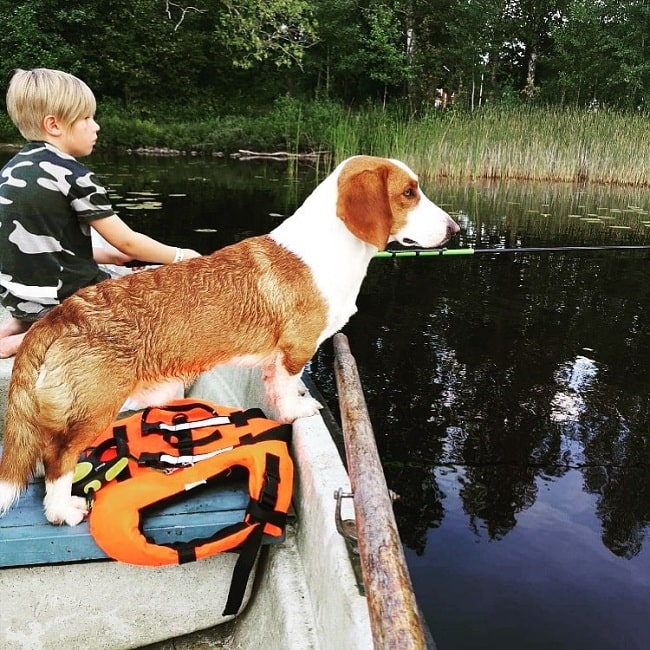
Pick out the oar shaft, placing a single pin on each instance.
(395, 618)
(437, 252)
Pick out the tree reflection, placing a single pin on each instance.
(513, 369)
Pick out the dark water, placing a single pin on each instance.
(510, 402)
(509, 394)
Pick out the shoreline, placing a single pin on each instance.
(486, 173)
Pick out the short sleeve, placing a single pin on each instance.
(88, 199)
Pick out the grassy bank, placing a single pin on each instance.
(494, 142)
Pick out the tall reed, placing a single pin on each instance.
(526, 143)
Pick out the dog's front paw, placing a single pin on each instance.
(292, 408)
(71, 512)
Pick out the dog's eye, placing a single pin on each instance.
(409, 193)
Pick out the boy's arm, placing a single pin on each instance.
(110, 256)
(137, 246)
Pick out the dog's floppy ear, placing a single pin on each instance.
(363, 203)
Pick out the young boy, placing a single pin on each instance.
(49, 202)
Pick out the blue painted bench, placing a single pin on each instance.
(27, 538)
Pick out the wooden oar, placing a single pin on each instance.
(395, 617)
(437, 252)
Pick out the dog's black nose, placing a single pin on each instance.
(452, 227)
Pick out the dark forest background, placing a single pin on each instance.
(240, 55)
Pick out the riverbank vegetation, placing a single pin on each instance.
(498, 142)
(554, 90)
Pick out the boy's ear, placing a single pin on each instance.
(51, 125)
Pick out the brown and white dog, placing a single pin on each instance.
(266, 301)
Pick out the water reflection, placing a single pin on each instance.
(549, 583)
(573, 379)
(536, 363)
(514, 214)
(204, 203)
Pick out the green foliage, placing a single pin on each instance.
(601, 54)
(385, 45)
(8, 132)
(242, 69)
(499, 141)
(254, 31)
(147, 50)
(288, 125)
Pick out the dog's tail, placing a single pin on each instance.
(22, 451)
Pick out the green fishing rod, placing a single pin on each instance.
(438, 252)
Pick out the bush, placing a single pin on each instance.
(287, 124)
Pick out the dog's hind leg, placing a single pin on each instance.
(60, 459)
(59, 505)
(73, 413)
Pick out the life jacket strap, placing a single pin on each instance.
(242, 571)
(248, 553)
(173, 408)
(238, 418)
(159, 427)
(263, 509)
(163, 461)
(178, 433)
(269, 494)
(259, 512)
(283, 433)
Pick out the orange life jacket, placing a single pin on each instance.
(173, 449)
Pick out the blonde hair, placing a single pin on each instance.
(33, 94)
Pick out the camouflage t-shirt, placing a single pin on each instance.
(47, 201)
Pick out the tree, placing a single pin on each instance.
(251, 31)
(600, 53)
(144, 52)
(530, 23)
(630, 84)
(33, 35)
(582, 54)
(151, 48)
(361, 50)
(477, 52)
(333, 62)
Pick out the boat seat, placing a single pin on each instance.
(28, 539)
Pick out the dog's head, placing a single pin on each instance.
(380, 201)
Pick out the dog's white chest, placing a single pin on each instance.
(337, 261)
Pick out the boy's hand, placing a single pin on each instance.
(188, 254)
